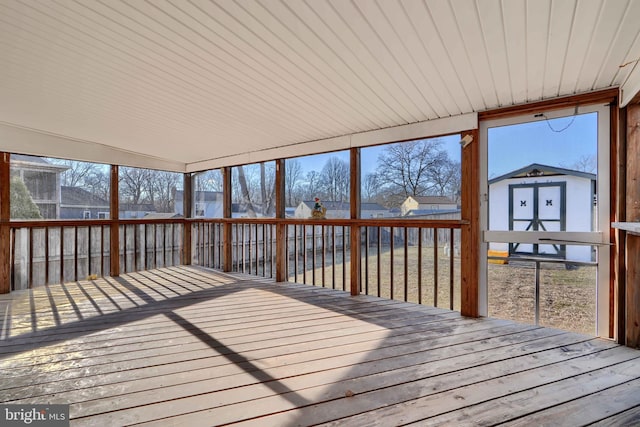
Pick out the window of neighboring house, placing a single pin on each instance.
(103, 215)
(86, 215)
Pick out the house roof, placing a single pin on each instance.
(537, 169)
(36, 162)
(190, 86)
(76, 196)
(433, 200)
(372, 207)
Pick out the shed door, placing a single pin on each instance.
(537, 207)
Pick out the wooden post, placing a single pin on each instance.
(619, 250)
(187, 204)
(355, 214)
(632, 302)
(114, 214)
(5, 229)
(282, 275)
(227, 232)
(470, 232)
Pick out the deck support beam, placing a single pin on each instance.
(5, 229)
(227, 227)
(187, 203)
(470, 230)
(282, 274)
(354, 157)
(632, 262)
(114, 214)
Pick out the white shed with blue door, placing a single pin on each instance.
(543, 198)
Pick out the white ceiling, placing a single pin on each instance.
(189, 84)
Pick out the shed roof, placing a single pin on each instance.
(537, 169)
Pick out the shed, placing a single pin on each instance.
(543, 198)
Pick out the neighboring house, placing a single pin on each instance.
(76, 202)
(135, 210)
(42, 179)
(206, 204)
(414, 203)
(543, 198)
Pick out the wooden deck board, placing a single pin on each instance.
(186, 346)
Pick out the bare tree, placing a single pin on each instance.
(312, 188)
(293, 175)
(407, 167)
(445, 177)
(210, 180)
(371, 187)
(76, 172)
(586, 163)
(335, 180)
(162, 189)
(244, 193)
(134, 185)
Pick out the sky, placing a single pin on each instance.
(557, 142)
(560, 142)
(369, 155)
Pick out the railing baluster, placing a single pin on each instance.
(13, 258)
(136, 264)
(102, 250)
(324, 258)
(333, 257)
(451, 272)
(75, 254)
(420, 265)
(379, 265)
(88, 250)
(124, 245)
(435, 267)
(344, 258)
(313, 253)
(366, 260)
(61, 254)
(30, 284)
(406, 263)
(304, 254)
(46, 255)
(391, 249)
(295, 252)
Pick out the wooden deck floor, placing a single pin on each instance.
(189, 347)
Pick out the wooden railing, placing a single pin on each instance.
(408, 260)
(58, 251)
